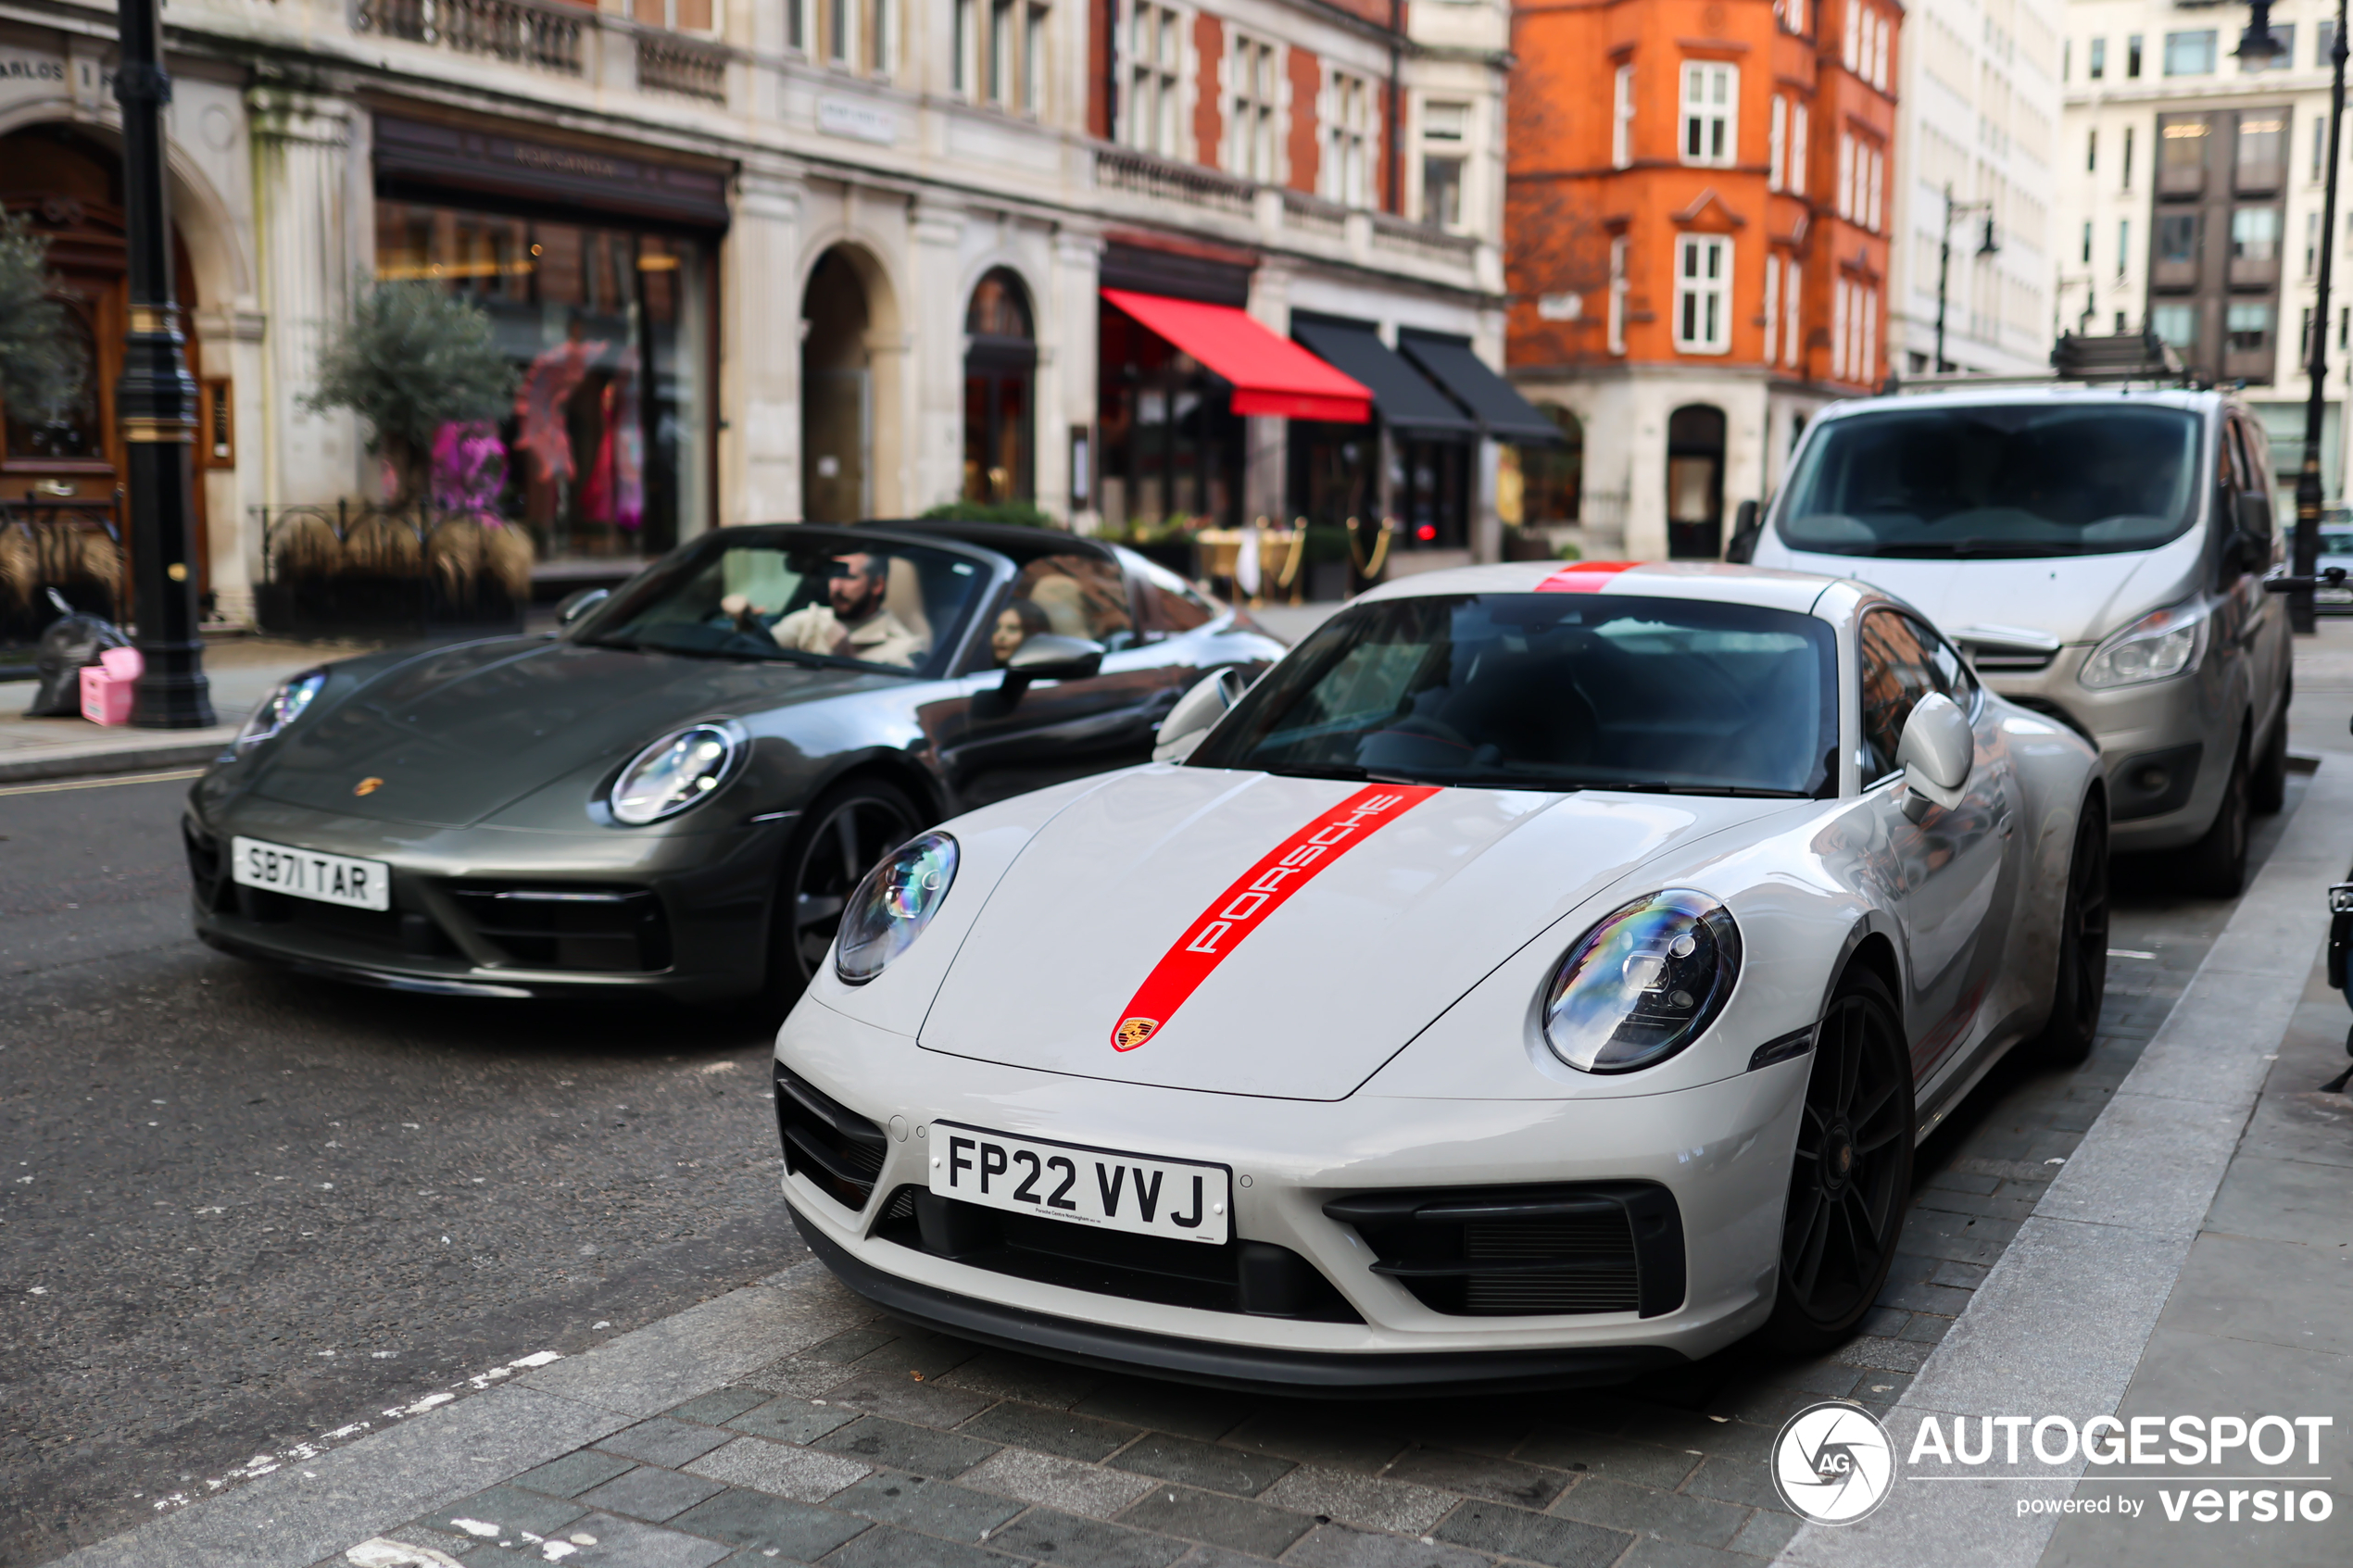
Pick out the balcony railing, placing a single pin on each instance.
(670, 64)
(1313, 215)
(1392, 233)
(514, 31)
(1143, 174)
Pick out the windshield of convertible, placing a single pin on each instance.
(879, 605)
(1973, 483)
(1548, 691)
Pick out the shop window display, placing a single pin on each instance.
(603, 454)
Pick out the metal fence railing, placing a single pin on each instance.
(349, 570)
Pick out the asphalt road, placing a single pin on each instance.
(240, 1207)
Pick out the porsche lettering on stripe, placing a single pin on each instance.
(1256, 894)
(1584, 577)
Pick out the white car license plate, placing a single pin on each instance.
(1139, 1193)
(307, 873)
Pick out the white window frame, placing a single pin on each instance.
(1002, 71)
(1867, 361)
(841, 31)
(1800, 119)
(1710, 117)
(1845, 208)
(800, 26)
(1849, 41)
(1035, 47)
(1704, 293)
(1880, 32)
(1617, 287)
(1350, 118)
(1155, 118)
(1254, 108)
(1773, 304)
(1777, 143)
(1792, 340)
(1621, 124)
(1878, 187)
(1451, 145)
(1838, 328)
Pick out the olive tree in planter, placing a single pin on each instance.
(414, 363)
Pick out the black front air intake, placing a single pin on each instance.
(1593, 1246)
(827, 1142)
(601, 930)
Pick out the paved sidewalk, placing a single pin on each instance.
(242, 672)
(2193, 1256)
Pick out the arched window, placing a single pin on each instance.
(1001, 365)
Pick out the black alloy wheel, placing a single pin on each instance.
(1851, 1174)
(2217, 864)
(840, 839)
(2082, 982)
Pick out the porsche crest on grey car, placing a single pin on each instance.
(679, 790)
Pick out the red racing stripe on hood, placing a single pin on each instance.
(1584, 577)
(1256, 894)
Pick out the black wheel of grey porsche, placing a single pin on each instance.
(1852, 1172)
(2081, 985)
(840, 839)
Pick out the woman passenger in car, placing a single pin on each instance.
(1016, 623)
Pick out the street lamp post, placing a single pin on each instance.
(2307, 540)
(156, 400)
(1944, 260)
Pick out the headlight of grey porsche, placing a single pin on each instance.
(677, 771)
(281, 707)
(1643, 983)
(892, 907)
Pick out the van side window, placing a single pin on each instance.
(2255, 450)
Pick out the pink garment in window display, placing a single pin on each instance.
(554, 376)
(469, 470)
(615, 491)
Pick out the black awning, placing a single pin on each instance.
(1409, 404)
(1502, 412)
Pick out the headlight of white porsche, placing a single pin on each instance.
(892, 905)
(281, 707)
(676, 772)
(2158, 646)
(1643, 983)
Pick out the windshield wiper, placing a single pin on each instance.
(1660, 786)
(1976, 549)
(1344, 770)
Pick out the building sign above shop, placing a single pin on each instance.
(863, 122)
(489, 160)
(27, 75)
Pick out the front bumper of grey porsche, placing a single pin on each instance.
(487, 912)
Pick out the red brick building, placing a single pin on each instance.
(1697, 208)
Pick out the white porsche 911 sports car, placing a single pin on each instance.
(1538, 977)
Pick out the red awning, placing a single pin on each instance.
(1270, 375)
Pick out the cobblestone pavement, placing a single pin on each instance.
(886, 1447)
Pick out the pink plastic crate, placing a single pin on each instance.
(108, 687)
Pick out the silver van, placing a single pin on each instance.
(2099, 553)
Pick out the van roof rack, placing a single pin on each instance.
(2140, 358)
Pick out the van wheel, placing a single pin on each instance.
(2267, 785)
(2081, 983)
(2217, 864)
(1851, 1174)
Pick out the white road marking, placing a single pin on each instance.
(2129, 953)
(101, 783)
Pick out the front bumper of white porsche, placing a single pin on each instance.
(1310, 1301)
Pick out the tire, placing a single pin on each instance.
(841, 836)
(2267, 785)
(2217, 864)
(2082, 982)
(1851, 1176)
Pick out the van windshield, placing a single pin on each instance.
(1978, 482)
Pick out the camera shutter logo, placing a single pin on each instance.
(1833, 1464)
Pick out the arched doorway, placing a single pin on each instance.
(1001, 364)
(836, 393)
(60, 469)
(1695, 483)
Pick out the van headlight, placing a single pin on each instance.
(676, 772)
(2159, 645)
(281, 707)
(1643, 983)
(892, 907)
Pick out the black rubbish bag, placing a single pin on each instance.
(72, 641)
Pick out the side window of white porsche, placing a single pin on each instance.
(1898, 669)
(1954, 677)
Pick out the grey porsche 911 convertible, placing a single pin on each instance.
(677, 791)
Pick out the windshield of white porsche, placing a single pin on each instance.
(1998, 482)
(1549, 691)
(878, 606)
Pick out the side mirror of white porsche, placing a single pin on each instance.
(1935, 754)
(1196, 713)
